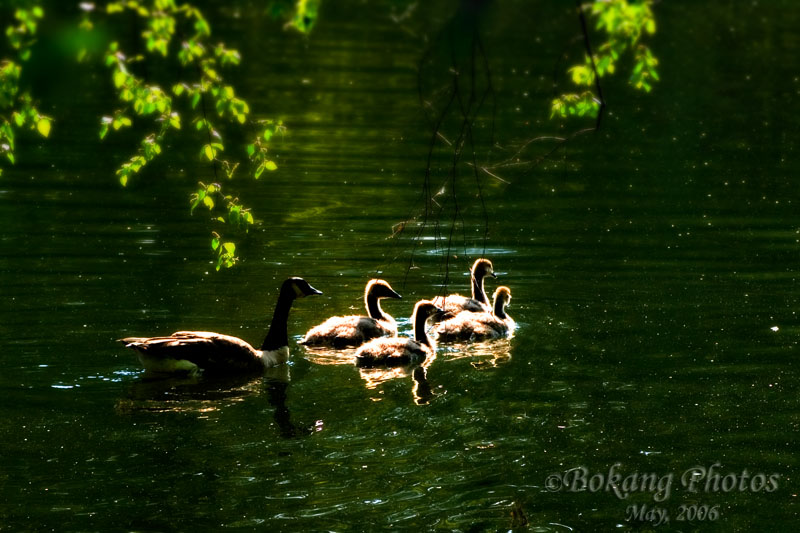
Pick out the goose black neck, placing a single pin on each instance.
(374, 307)
(477, 289)
(500, 308)
(278, 336)
(420, 335)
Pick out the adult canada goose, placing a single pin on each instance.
(353, 330)
(455, 303)
(469, 325)
(400, 351)
(188, 351)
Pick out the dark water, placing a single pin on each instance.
(653, 267)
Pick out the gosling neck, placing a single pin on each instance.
(278, 336)
(374, 307)
(420, 335)
(500, 308)
(477, 289)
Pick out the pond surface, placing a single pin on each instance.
(653, 268)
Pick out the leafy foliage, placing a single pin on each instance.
(180, 34)
(301, 15)
(257, 150)
(625, 22)
(16, 106)
(305, 15)
(226, 251)
(238, 217)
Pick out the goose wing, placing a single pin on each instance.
(205, 349)
(471, 326)
(455, 303)
(341, 331)
(391, 351)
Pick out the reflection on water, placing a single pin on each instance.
(374, 377)
(331, 356)
(201, 394)
(196, 393)
(482, 355)
(473, 251)
(420, 389)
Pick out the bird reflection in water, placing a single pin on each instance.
(376, 376)
(485, 355)
(204, 395)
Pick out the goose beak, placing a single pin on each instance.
(493, 275)
(440, 313)
(305, 289)
(393, 294)
(313, 291)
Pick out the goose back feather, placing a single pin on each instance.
(354, 330)
(401, 351)
(472, 326)
(478, 302)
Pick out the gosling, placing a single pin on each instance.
(471, 326)
(353, 330)
(188, 352)
(455, 303)
(401, 351)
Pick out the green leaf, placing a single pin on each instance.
(43, 126)
(209, 152)
(208, 202)
(229, 247)
(251, 149)
(215, 244)
(581, 75)
(270, 165)
(196, 198)
(119, 78)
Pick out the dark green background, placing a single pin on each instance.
(649, 264)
